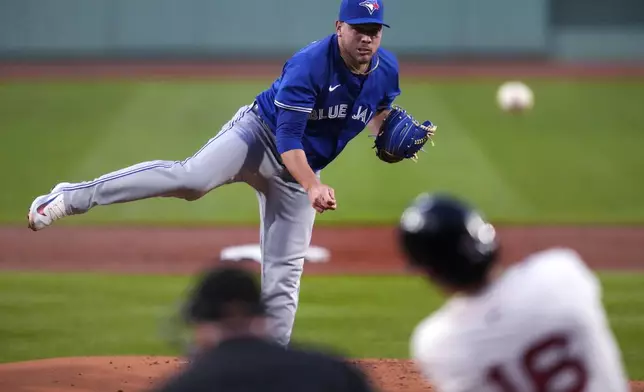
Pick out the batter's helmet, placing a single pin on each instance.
(448, 239)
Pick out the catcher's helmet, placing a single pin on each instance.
(448, 239)
(223, 292)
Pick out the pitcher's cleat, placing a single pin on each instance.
(47, 208)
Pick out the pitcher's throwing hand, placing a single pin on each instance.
(322, 198)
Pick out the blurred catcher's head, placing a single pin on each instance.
(222, 294)
(448, 240)
(225, 302)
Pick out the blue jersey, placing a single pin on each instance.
(315, 80)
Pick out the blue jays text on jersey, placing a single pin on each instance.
(338, 104)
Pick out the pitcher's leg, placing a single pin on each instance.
(287, 225)
(218, 162)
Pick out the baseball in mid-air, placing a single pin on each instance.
(515, 96)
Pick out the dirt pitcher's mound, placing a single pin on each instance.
(80, 374)
(140, 373)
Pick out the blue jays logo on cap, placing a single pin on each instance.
(362, 12)
(371, 5)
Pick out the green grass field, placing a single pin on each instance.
(575, 159)
(48, 315)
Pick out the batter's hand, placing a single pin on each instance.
(322, 198)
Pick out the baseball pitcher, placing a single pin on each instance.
(538, 326)
(328, 92)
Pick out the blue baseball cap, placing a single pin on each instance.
(362, 12)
